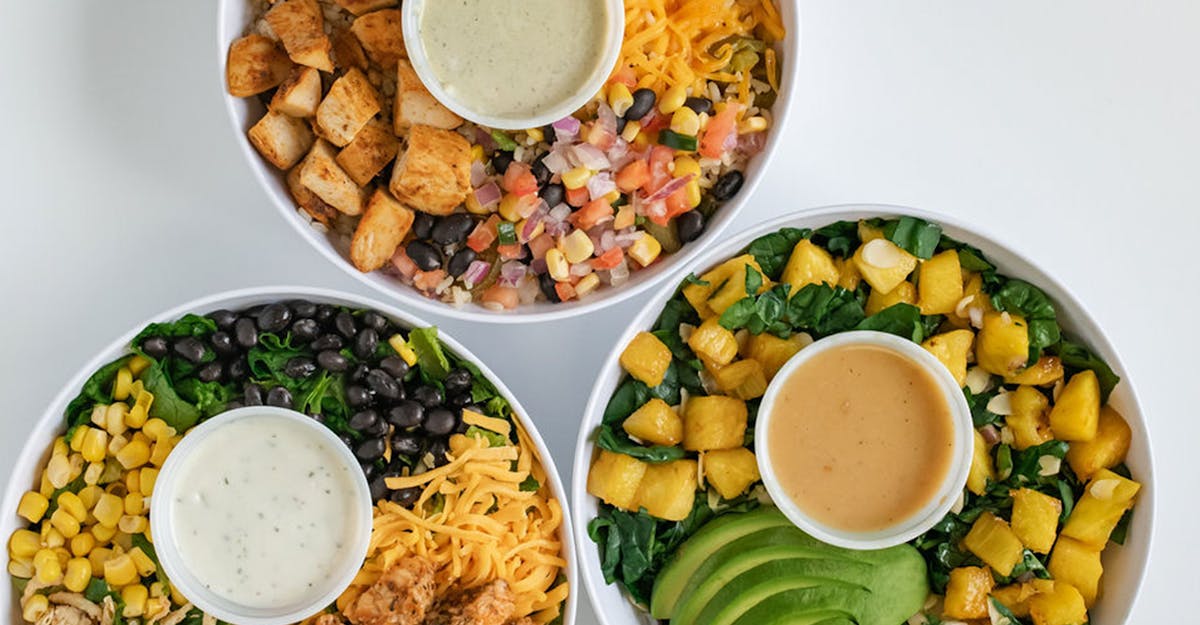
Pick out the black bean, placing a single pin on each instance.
(359, 374)
(223, 318)
(406, 414)
(440, 422)
(395, 366)
(245, 332)
(365, 343)
(643, 101)
(358, 396)
(222, 343)
(690, 225)
(252, 395)
(549, 135)
(380, 428)
(621, 123)
(406, 496)
(303, 308)
(370, 449)
(553, 194)
(540, 172)
(476, 408)
(406, 443)
(328, 341)
(452, 229)
(458, 380)
(378, 488)
(325, 312)
(156, 346)
(299, 367)
(364, 419)
(458, 400)
(238, 369)
(438, 449)
(375, 321)
(190, 349)
(427, 396)
(461, 260)
(727, 185)
(306, 329)
(234, 404)
(383, 384)
(279, 397)
(423, 255)
(500, 161)
(344, 323)
(700, 105)
(461, 428)
(370, 470)
(422, 225)
(210, 372)
(332, 361)
(547, 283)
(274, 318)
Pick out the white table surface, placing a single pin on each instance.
(1069, 128)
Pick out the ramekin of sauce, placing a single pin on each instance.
(261, 516)
(864, 440)
(513, 64)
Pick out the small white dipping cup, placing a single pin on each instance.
(341, 573)
(952, 483)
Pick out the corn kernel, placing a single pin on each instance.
(631, 130)
(24, 543)
(117, 443)
(73, 505)
(33, 506)
(133, 503)
(108, 510)
(98, 415)
(509, 205)
(147, 480)
(672, 99)
(644, 140)
(47, 567)
(587, 284)
(556, 264)
(138, 364)
(538, 229)
(536, 135)
(157, 429)
(144, 564)
(752, 124)
(82, 544)
(114, 418)
(625, 217)
(120, 571)
(89, 495)
(35, 608)
(162, 449)
(95, 445)
(685, 122)
(157, 590)
(133, 481)
(22, 568)
(79, 573)
(685, 165)
(51, 537)
(577, 246)
(132, 524)
(612, 196)
(136, 417)
(619, 98)
(103, 534)
(645, 249)
(576, 178)
(93, 473)
(122, 383)
(97, 558)
(66, 524)
(156, 606)
(474, 207)
(135, 597)
(76, 442)
(177, 596)
(477, 153)
(141, 436)
(692, 193)
(58, 470)
(59, 447)
(134, 455)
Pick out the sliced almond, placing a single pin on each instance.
(882, 253)
(960, 309)
(975, 314)
(1001, 404)
(1103, 489)
(978, 380)
(1049, 465)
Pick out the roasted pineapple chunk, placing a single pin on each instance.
(1046, 371)
(655, 422)
(668, 490)
(993, 541)
(883, 264)
(743, 379)
(773, 352)
(952, 348)
(1060, 605)
(848, 274)
(714, 344)
(1016, 597)
(714, 422)
(1098, 511)
(1002, 345)
(1076, 414)
(904, 293)
(730, 471)
(809, 264)
(867, 232)
(614, 478)
(982, 469)
(940, 284)
(1035, 519)
(975, 300)
(1078, 565)
(967, 592)
(646, 358)
(1105, 450)
(734, 288)
(697, 293)
(1029, 420)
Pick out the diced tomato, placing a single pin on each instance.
(661, 158)
(625, 76)
(565, 290)
(404, 264)
(712, 142)
(609, 259)
(518, 179)
(577, 197)
(633, 175)
(594, 212)
(510, 252)
(656, 211)
(483, 235)
(428, 280)
(654, 122)
(677, 203)
(501, 296)
(540, 245)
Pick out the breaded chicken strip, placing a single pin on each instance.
(329, 619)
(489, 604)
(402, 596)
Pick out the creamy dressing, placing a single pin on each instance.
(264, 511)
(513, 58)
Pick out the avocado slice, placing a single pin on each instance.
(806, 576)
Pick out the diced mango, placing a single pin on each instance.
(1076, 414)
(982, 468)
(1035, 519)
(1078, 565)
(1062, 605)
(713, 343)
(1098, 511)
(714, 422)
(973, 289)
(883, 264)
(1046, 371)
(668, 490)
(952, 349)
(646, 358)
(734, 288)
(1029, 421)
(993, 541)
(904, 293)
(615, 478)
(655, 422)
(1002, 345)
(867, 232)
(1105, 450)
(967, 592)
(743, 379)
(809, 264)
(730, 471)
(1015, 597)
(848, 274)
(697, 293)
(773, 352)
(940, 284)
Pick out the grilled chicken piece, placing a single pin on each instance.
(489, 604)
(402, 596)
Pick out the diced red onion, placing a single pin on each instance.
(511, 272)
(751, 144)
(560, 212)
(619, 274)
(626, 237)
(667, 189)
(488, 195)
(478, 173)
(581, 269)
(527, 291)
(608, 240)
(530, 204)
(538, 266)
(990, 434)
(531, 224)
(476, 272)
(556, 161)
(601, 185)
(605, 129)
(485, 140)
(558, 228)
(619, 154)
(590, 156)
(731, 141)
(566, 128)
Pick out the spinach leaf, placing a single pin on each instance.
(96, 390)
(759, 313)
(754, 280)
(1006, 615)
(529, 485)
(167, 404)
(772, 250)
(1121, 531)
(187, 325)
(823, 310)
(691, 278)
(613, 439)
(430, 357)
(140, 541)
(840, 237)
(1077, 357)
(629, 396)
(1025, 462)
(676, 312)
(980, 415)
(494, 439)
(903, 320)
(1020, 297)
(916, 236)
(97, 590)
(209, 398)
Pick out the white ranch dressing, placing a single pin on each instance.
(513, 58)
(264, 511)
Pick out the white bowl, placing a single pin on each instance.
(1124, 566)
(27, 468)
(234, 15)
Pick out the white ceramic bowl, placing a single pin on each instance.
(234, 15)
(36, 451)
(1123, 566)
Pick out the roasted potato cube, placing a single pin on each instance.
(655, 422)
(614, 478)
(940, 284)
(668, 489)
(1046, 371)
(714, 422)
(713, 343)
(952, 348)
(371, 150)
(380, 36)
(358, 7)
(730, 471)
(281, 139)
(809, 264)
(1076, 414)
(967, 592)
(349, 105)
(982, 469)
(1002, 345)
(308, 201)
(1029, 422)
(433, 174)
(379, 232)
(1078, 565)
(646, 358)
(904, 293)
(415, 105)
(993, 541)
(347, 52)
(321, 174)
(300, 25)
(1105, 450)
(1061, 605)
(1035, 519)
(773, 352)
(300, 94)
(255, 65)
(1101, 507)
(883, 264)
(743, 379)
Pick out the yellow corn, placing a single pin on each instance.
(157, 606)
(76, 442)
(45, 488)
(163, 447)
(672, 99)
(58, 470)
(93, 473)
(136, 417)
(134, 455)
(477, 153)
(95, 445)
(59, 447)
(509, 205)
(612, 196)
(82, 544)
(47, 567)
(144, 564)
(685, 121)
(90, 494)
(474, 207)
(619, 98)
(645, 249)
(157, 429)
(147, 480)
(576, 178)
(114, 418)
(556, 264)
(79, 573)
(132, 524)
(137, 365)
(147, 534)
(117, 443)
(51, 537)
(577, 246)
(135, 597)
(587, 284)
(35, 608)
(141, 436)
(685, 165)
(536, 135)
(33, 506)
(22, 567)
(119, 571)
(158, 590)
(133, 481)
(538, 229)
(97, 558)
(644, 140)
(24, 543)
(98, 415)
(108, 510)
(103, 534)
(752, 124)
(122, 383)
(133, 503)
(66, 524)
(692, 191)
(631, 130)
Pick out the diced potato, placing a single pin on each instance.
(1029, 421)
(1101, 507)
(848, 274)
(743, 379)
(1046, 371)
(381, 37)
(415, 105)
(993, 541)
(1078, 565)
(358, 7)
(730, 471)
(371, 150)
(713, 343)
(809, 264)
(982, 469)
(321, 174)
(655, 422)
(773, 352)
(615, 478)
(349, 105)
(1035, 519)
(255, 65)
(952, 349)
(379, 232)
(940, 284)
(1076, 414)
(714, 422)
(1104, 451)
(668, 490)
(433, 173)
(646, 358)
(300, 25)
(904, 293)
(883, 264)
(308, 201)
(281, 139)
(1062, 605)
(1002, 345)
(347, 52)
(967, 592)
(300, 94)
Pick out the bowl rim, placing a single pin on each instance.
(585, 446)
(48, 424)
(270, 183)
